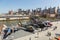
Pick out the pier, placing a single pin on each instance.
(14, 17)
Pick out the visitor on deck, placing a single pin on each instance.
(4, 27)
(1, 27)
(16, 28)
(6, 31)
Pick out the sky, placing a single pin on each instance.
(6, 5)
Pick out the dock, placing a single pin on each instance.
(22, 35)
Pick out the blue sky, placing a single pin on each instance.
(6, 5)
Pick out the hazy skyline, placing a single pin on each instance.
(6, 5)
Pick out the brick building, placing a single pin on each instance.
(11, 12)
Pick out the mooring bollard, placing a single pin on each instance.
(30, 38)
(0, 38)
(37, 35)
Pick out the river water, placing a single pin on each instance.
(14, 23)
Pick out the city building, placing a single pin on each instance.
(19, 11)
(28, 12)
(51, 12)
(58, 12)
(38, 11)
(11, 12)
(33, 12)
(47, 12)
